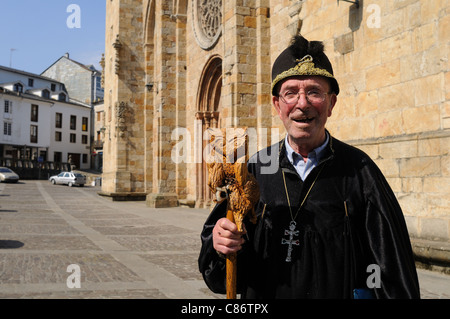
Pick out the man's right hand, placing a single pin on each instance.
(226, 237)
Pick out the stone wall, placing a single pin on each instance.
(389, 56)
(391, 61)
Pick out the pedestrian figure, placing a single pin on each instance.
(324, 217)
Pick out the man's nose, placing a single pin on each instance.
(302, 101)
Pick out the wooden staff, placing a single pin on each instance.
(229, 170)
(231, 267)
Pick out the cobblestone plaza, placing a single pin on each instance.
(123, 249)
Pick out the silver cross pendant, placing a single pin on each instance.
(291, 241)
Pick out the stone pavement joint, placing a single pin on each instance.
(123, 249)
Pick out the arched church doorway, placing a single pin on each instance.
(207, 116)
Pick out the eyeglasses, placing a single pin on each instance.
(312, 96)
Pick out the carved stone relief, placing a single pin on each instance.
(122, 111)
(117, 46)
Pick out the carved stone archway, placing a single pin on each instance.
(207, 116)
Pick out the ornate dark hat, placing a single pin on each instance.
(303, 57)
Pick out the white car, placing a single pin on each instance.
(7, 175)
(68, 178)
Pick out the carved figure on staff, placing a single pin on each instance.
(230, 181)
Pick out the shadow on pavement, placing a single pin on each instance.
(10, 244)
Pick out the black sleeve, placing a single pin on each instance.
(389, 241)
(211, 265)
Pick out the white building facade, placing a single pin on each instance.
(84, 85)
(38, 121)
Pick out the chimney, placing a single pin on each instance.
(66, 55)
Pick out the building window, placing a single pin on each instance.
(73, 138)
(58, 136)
(57, 157)
(85, 124)
(33, 134)
(58, 120)
(8, 106)
(6, 128)
(18, 87)
(62, 97)
(53, 87)
(30, 82)
(84, 139)
(34, 112)
(98, 82)
(85, 158)
(73, 122)
(46, 94)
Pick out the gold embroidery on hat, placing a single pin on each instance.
(305, 66)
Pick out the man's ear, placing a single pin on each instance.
(276, 104)
(333, 101)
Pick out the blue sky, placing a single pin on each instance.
(39, 32)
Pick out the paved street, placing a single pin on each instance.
(50, 234)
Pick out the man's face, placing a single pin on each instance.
(305, 120)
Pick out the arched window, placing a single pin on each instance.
(46, 94)
(207, 116)
(61, 97)
(18, 88)
(208, 96)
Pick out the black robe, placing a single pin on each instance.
(350, 220)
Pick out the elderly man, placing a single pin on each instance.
(329, 225)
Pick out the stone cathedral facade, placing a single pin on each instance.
(174, 68)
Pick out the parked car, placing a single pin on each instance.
(68, 178)
(7, 175)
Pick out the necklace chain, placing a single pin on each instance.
(286, 190)
(304, 199)
(292, 225)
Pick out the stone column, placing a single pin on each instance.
(263, 74)
(165, 106)
(239, 83)
(124, 78)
